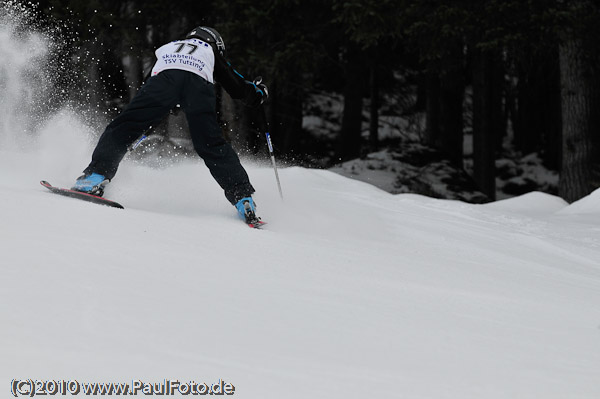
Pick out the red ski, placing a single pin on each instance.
(81, 196)
(257, 224)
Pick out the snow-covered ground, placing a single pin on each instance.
(350, 291)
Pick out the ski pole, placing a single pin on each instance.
(137, 143)
(265, 126)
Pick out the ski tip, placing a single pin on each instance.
(81, 196)
(256, 225)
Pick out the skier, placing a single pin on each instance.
(183, 74)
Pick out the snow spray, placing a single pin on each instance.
(44, 131)
(22, 82)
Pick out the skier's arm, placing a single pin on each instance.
(236, 85)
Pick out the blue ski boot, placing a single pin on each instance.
(91, 184)
(247, 212)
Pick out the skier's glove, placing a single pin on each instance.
(257, 93)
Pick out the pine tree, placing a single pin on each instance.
(580, 78)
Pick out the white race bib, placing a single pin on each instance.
(191, 55)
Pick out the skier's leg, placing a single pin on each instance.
(152, 102)
(199, 104)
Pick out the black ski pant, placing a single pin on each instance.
(150, 105)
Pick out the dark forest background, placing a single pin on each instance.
(526, 71)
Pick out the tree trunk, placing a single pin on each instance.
(552, 123)
(133, 72)
(487, 120)
(445, 92)
(286, 105)
(452, 91)
(537, 119)
(374, 110)
(349, 145)
(579, 101)
(432, 110)
(233, 121)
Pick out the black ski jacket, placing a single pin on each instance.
(232, 81)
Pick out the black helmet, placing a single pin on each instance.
(208, 35)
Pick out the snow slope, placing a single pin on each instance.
(350, 292)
